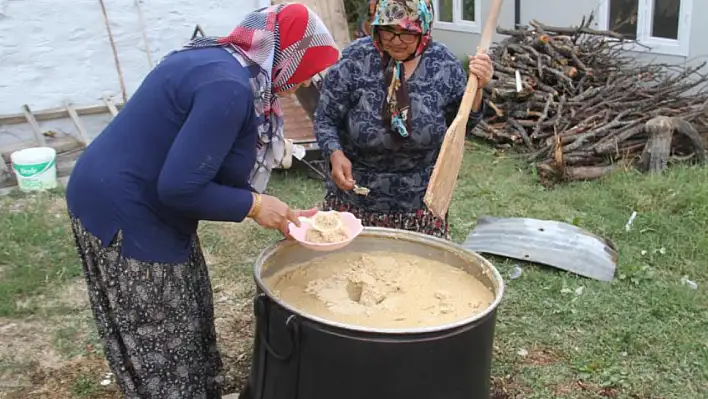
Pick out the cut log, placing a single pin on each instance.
(655, 155)
(697, 141)
(550, 174)
(589, 172)
(581, 85)
(657, 151)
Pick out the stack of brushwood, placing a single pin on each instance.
(583, 106)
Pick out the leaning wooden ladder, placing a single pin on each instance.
(68, 147)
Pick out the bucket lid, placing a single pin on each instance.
(33, 155)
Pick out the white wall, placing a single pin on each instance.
(52, 51)
(465, 43)
(566, 14)
(56, 50)
(571, 12)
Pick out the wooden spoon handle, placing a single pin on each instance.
(484, 42)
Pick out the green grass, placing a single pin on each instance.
(36, 250)
(77, 337)
(85, 386)
(645, 335)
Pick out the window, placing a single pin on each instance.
(660, 26)
(459, 15)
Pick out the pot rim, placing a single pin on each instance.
(399, 235)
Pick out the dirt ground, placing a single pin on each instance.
(60, 357)
(54, 352)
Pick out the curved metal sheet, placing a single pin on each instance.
(557, 244)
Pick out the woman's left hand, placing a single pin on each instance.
(481, 67)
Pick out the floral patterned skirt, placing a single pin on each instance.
(156, 321)
(420, 221)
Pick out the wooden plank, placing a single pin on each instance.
(35, 126)
(61, 144)
(77, 122)
(57, 113)
(109, 104)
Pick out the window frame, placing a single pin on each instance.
(646, 43)
(458, 24)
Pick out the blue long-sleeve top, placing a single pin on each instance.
(180, 151)
(349, 118)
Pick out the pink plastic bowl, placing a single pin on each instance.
(352, 224)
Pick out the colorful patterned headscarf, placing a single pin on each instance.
(283, 46)
(414, 16)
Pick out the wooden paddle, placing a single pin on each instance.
(447, 167)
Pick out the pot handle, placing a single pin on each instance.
(291, 324)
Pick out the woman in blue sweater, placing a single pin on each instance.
(197, 141)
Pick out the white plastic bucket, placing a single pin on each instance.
(35, 168)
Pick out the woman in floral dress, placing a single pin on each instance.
(383, 112)
(197, 141)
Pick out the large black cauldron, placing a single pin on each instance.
(299, 356)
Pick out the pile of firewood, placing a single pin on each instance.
(583, 105)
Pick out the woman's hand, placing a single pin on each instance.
(270, 212)
(481, 66)
(273, 213)
(341, 171)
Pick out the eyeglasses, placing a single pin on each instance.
(387, 35)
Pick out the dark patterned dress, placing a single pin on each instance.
(397, 172)
(156, 320)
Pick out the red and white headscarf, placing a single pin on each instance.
(287, 44)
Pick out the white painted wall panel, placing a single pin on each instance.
(52, 50)
(56, 50)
